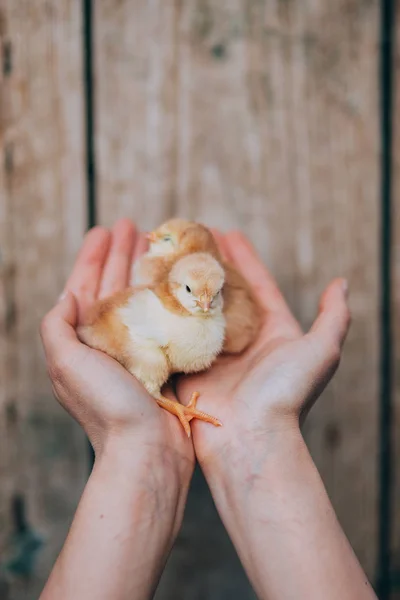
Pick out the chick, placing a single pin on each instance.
(179, 237)
(174, 238)
(174, 326)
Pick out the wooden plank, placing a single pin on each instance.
(340, 146)
(234, 157)
(42, 217)
(396, 304)
(263, 116)
(135, 73)
(285, 145)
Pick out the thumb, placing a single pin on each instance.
(58, 326)
(67, 308)
(333, 321)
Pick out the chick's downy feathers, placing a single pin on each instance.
(176, 325)
(179, 237)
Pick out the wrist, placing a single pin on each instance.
(251, 462)
(278, 515)
(124, 527)
(251, 490)
(238, 445)
(129, 443)
(152, 469)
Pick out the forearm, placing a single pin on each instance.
(123, 529)
(280, 519)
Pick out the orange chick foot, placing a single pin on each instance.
(186, 413)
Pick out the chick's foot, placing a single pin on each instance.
(186, 413)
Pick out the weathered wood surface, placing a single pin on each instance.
(42, 216)
(264, 116)
(252, 114)
(136, 67)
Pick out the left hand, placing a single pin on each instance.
(96, 390)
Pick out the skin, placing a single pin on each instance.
(132, 506)
(262, 478)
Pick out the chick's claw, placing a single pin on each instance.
(193, 400)
(189, 412)
(186, 413)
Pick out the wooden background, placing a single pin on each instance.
(258, 114)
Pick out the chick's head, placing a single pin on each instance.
(196, 281)
(180, 235)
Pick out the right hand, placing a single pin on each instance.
(268, 388)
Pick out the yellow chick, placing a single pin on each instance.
(179, 237)
(175, 326)
(174, 238)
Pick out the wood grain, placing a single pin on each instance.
(340, 97)
(285, 145)
(42, 216)
(241, 113)
(135, 73)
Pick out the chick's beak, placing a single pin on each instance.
(205, 303)
(151, 236)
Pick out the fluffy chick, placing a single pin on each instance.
(179, 237)
(173, 239)
(174, 326)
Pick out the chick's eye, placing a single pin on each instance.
(188, 289)
(167, 238)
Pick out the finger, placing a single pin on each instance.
(263, 284)
(333, 321)
(118, 264)
(58, 327)
(85, 278)
(142, 245)
(222, 244)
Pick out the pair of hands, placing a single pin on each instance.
(267, 389)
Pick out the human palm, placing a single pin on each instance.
(98, 392)
(277, 379)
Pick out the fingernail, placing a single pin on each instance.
(62, 296)
(345, 287)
